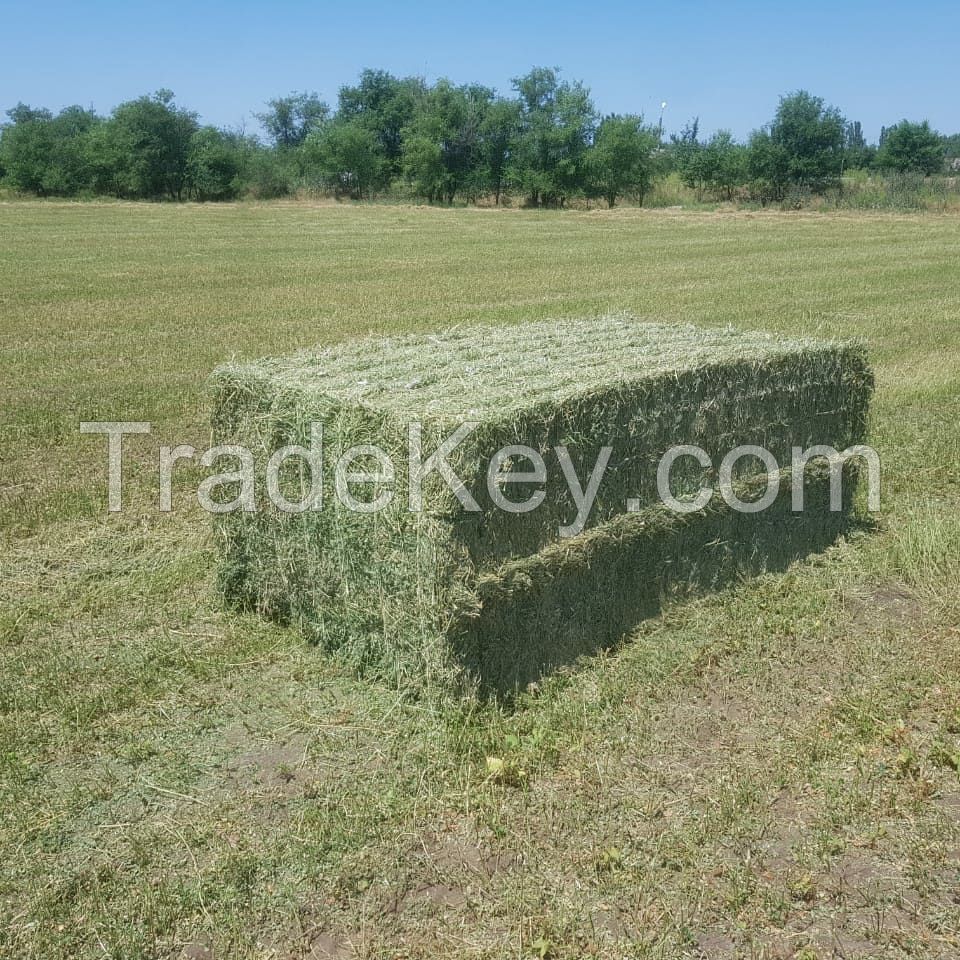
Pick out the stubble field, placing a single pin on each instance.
(771, 771)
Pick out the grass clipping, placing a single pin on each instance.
(447, 596)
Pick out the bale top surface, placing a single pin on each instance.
(486, 372)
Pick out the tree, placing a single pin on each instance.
(70, 171)
(424, 169)
(498, 133)
(385, 106)
(270, 173)
(151, 138)
(911, 147)
(48, 155)
(724, 164)
(27, 147)
(768, 165)
(859, 154)
(855, 140)
(108, 160)
(689, 157)
(951, 145)
(621, 158)
(808, 138)
(442, 146)
(291, 119)
(214, 164)
(719, 165)
(347, 157)
(557, 123)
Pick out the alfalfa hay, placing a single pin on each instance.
(418, 595)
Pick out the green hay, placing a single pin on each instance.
(393, 591)
(579, 596)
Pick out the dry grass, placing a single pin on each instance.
(769, 772)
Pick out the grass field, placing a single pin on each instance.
(771, 771)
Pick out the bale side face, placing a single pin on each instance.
(572, 599)
(818, 395)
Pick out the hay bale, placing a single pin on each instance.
(414, 595)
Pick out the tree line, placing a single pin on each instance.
(544, 145)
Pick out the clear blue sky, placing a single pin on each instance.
(726, 62)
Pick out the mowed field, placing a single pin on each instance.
(771, 771)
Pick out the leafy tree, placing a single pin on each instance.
(47, 155)
(859, 154)
(951, 145)
(215, 164)
(290, 120)
(384, 105)
(689, 158)
(911, 147)
(621, 158)
(498, 132)
(557, 123)
(70, 172)
(24, 113)
(27, 147)
(107, 158)
(719, 165)
(348, 157)
(768, 165)
(151, 138)
(808, 138)
(442, 146)
(855, 140)
(724, 164)
(270, 173)
(424, 168)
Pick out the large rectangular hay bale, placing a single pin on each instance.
(408, 593)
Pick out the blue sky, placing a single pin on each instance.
(726, 62)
